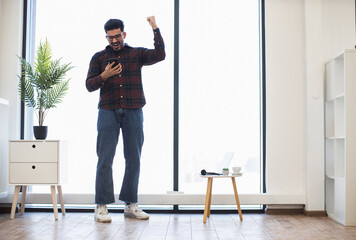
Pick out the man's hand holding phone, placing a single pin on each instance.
(112, 68)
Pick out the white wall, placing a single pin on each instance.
(10, 46)
(300, 37)
(329, 29)
(285, 99)
(338, 27)
(4, 136)
(314, 106)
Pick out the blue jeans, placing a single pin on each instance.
(130, 121)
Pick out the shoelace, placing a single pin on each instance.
(138, 210)
(135, 208)
(103, 210)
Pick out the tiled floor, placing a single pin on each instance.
(173, 226)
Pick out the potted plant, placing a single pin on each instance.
(42, 84)
(225, 171)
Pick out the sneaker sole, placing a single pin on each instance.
(102, 220)
(130, 215)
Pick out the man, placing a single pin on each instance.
(116, 71)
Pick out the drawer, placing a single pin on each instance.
(33, 173)
(33, 151)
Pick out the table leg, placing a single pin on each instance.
(237, 197)
(207, 199)
(14, 201)
(54, 201)
(23, 202)
(60, 195)
(211, 190)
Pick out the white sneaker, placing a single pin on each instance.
(102, 214)
(133, 211)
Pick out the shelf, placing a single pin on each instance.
(340, 138)
(341, 95)
(335, 158)
(335, 138)
(335, 178)
(339, 117)
(335, 85)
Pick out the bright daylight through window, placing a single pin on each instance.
(219, 90)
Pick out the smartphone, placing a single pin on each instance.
(115, 60)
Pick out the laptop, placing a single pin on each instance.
(225, 163)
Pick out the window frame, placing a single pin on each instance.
(29, 24)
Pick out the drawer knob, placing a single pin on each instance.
(33, 166)
(33, 146)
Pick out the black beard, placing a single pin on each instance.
(112, 47)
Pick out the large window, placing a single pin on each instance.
(75, 30)
(219, 90)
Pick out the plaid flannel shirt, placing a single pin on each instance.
(123, 90)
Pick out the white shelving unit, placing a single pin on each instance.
(340, 138)
(4, 137)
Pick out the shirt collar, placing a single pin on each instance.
(109, 48)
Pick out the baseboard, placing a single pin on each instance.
(289, 211)
(315, 213)
(6, 208)
(285, 209)
(280, 209)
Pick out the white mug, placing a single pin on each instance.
(236, 170)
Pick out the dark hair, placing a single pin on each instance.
(112, 24)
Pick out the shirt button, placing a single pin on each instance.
(120, 85)
(120, 75)
(122, 96)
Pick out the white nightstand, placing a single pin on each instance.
(37, 162)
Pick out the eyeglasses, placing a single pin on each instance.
(117, 37)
